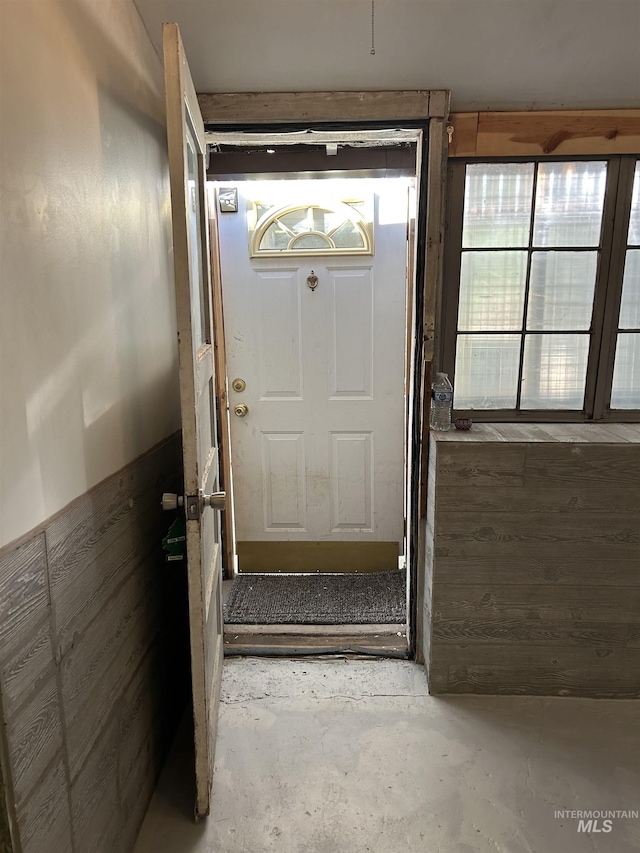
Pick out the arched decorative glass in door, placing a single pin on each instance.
(311, 229)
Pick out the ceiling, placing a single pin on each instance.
(492, 54)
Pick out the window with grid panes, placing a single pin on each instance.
(528, 277)
(625, 391)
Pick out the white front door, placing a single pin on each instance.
(318, 456)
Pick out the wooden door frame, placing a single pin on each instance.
(428, 111)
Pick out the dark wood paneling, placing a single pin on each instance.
(513, 532)
(25, 667)
(633, 633)
(536, 561)
(6, 845)
(599, 683)
(23, 592)
(95, 672)
(147, 721)
(467, 465)
(551, 565)
(595, 465)
(35, 739)
(94, 795)
(530, 632)
(551, 553)
(135, 795)
(92, 686)
(44, 818)
(574, 604)
(102, 538)
(523, 656)
(25, 640)
(438, 677)
(571, 496)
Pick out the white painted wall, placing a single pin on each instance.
(492, 54)
(88, 360)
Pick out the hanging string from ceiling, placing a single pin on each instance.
(373, 26)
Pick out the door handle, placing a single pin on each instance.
(171, 501)
(241, 410)
(217, 500)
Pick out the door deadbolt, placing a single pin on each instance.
(241, 410)
(238, 385)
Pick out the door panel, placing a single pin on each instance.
(351, 365)
(277, 324)
(324, 374)
(283, 481)
(185, 133)
(351, 480)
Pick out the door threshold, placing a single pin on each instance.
(388, 640)
(363, 630)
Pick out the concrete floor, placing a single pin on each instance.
(348, 756)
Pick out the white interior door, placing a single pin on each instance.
(318, 456)
(202, 500)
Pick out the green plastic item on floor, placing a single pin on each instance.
(174, 543)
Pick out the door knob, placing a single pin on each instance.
(171, 501)
(217, 500)
(241, 410)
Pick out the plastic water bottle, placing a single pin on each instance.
(441, 403)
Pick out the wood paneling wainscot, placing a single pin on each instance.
(93, 662)
(533, 560)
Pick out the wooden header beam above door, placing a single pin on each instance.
(535, 133)
(281, 107)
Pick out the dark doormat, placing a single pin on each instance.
(369, 598)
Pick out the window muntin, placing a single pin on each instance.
(625, 390)
(531, 237)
